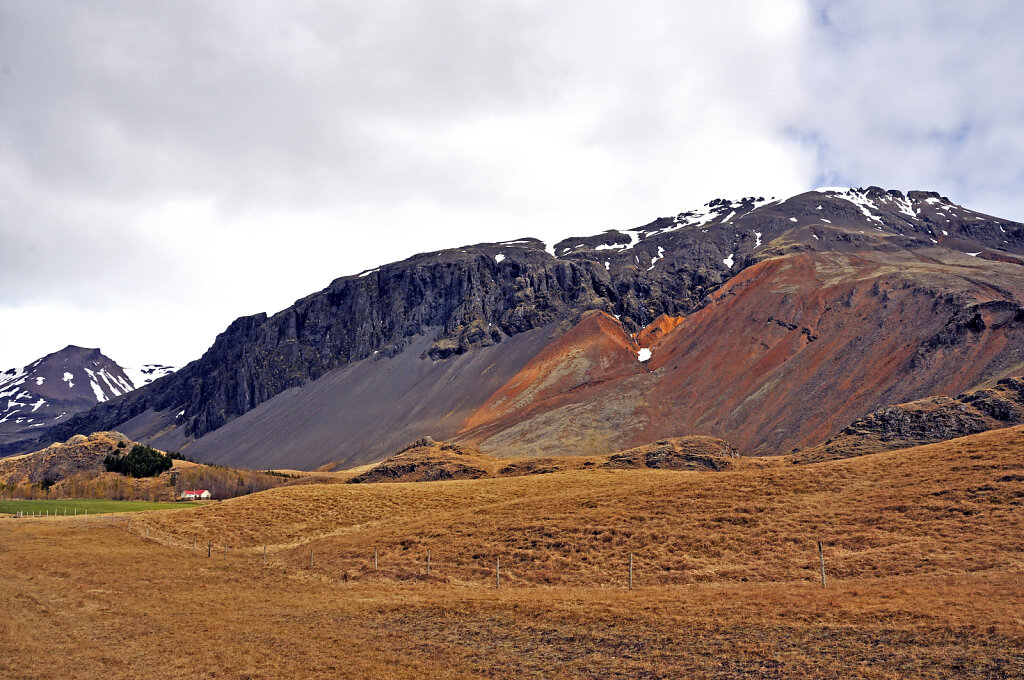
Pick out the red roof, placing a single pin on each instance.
(195, 491)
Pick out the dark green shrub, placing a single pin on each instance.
(141, 461)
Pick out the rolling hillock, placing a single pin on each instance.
(76, 469)
(427, 460)
(949, 508)
(59, 461)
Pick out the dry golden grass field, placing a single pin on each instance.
(924, 551)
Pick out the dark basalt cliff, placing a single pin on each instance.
(475, 300)
(479, 296)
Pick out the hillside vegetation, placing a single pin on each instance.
(924, 550)
(952, 507)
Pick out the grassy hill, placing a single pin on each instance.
(924, 550)
(952, 507)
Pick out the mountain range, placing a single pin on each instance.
(773, 324)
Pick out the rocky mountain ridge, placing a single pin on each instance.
(921, 248)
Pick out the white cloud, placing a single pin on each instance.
(194, 162)
(921, 94)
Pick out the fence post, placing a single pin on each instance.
(497, 572)
(428, 563)
(225, 551)
(310, 558)
(264, 556)
(375, 558)
(631, 571)
(209, 548)
(821, 557)
(129, 525)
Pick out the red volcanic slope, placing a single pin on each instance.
(654, 333)
(575, 367)
(783, 355)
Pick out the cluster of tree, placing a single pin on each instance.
(224, 482)
(94, 485)
(141, 461)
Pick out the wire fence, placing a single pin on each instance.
(628, 570)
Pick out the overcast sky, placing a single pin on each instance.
(168, 166)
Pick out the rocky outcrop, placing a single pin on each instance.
(678, 453)
(62, 460)
(427, 461)
(925, 421)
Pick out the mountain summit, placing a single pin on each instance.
(770, 323)
(52, 389)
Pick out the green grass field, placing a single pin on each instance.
(93, 505)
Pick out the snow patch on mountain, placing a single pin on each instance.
(660, 256)
(147, 373)
(856, 196)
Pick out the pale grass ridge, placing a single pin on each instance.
(924, 552)
(940, 509)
